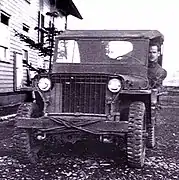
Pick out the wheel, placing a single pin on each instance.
(135, 136)
(25, 153)
(25, 145)
(151, 136)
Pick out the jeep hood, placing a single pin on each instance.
(135, 76)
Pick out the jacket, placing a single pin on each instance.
(156, 75)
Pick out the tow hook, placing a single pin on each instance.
(41, 136)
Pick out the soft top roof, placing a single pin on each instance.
(147, 34)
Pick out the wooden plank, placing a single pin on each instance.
(7, 89)
(6, 78)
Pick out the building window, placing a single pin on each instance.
(4, 36)
(25, 55)
(3, 53)
(4, 17)
(25, 27)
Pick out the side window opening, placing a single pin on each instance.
(160, 49)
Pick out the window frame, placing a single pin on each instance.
(23, 57)
(4, 14)
(5, 41)
(25, 26)
(5, 54)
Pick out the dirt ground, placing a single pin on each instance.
(98, 161)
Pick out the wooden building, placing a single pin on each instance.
(23, 16)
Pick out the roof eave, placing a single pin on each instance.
(66, 7)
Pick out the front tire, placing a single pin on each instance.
(135, 137)
(24, 143)
(23, 146)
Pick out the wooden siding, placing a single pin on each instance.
(20, 12)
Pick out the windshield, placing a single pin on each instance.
(101, 51)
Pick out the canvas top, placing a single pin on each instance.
(146, 34)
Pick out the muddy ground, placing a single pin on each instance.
(98, 161)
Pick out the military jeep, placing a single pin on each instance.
(98, 88)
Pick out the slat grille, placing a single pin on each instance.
(83, 94)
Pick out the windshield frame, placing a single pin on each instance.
(144, 42)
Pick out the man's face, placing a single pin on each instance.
(153, 54)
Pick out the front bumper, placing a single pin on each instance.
(97, 125)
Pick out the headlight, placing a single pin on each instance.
(44, 84)
(114, 85)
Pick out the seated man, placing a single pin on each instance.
(156, 73)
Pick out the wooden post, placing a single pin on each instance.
(66, 22)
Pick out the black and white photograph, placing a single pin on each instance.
(89, 90)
